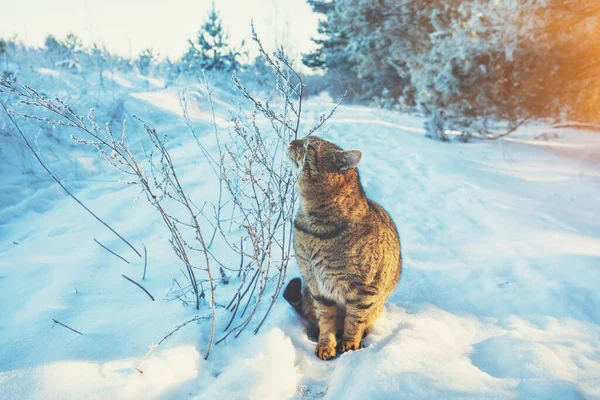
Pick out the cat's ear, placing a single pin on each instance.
(347, 160)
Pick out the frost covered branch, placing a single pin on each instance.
(110, 251)
(140, 286)
(68, 327)
(6, 85)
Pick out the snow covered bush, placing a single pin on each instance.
(462, 80)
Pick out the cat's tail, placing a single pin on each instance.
(293, 294)
(302, 302)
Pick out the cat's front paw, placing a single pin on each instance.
(325, 351)
(348, 344)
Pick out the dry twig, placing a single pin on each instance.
(110, 251)
(138, 285)
(68, 327)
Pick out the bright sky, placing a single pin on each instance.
(127, 27)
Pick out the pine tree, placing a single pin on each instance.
(318, 58)
(349, 43)
(331, 55)
(210, 50)
(72, 43)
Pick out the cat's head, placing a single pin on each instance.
(319, 162)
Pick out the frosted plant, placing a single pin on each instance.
(254, 180)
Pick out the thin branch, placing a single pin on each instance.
(110, 251)
(167, 336)
(68, 327)
(145, 262)
(39, 159)
(138, 285)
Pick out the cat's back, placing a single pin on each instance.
(376, 250)
(383, 226)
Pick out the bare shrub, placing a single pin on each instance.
(256, 193)
(161, 185)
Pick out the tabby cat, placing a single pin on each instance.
(346, 245)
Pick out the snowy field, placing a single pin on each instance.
(498, 298)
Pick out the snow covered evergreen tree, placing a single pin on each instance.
(461, 63)
(331, 54)
(210, 49)
(351, 49)
(490, 66)
(473, 66)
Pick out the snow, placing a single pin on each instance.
(168, 100)
(46, 71)
(118, 78)
(157, 83)
(112, 379)
(498, 299)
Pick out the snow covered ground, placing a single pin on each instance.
(498, 298)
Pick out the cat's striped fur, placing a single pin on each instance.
(347, 247)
